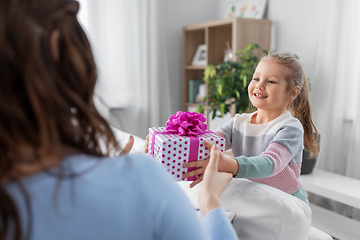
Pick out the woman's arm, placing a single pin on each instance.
(214, 182)
(171, 211)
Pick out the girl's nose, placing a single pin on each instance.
(260, 86)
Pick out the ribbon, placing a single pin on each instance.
(153, 140)
(188, 124)
(193, 154)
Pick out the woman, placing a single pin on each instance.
(58, 180)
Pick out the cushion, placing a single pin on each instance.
(316, 234)
(123, 138)
(261, 211)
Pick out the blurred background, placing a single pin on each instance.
(138, 49)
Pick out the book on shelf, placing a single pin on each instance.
(194, 86)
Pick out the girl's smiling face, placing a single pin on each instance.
(268, 89)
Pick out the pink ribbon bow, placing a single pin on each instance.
(187, 123)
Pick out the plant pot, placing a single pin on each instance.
(308, 163)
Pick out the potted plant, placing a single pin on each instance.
(228, 82)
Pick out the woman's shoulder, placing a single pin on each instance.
(127, 165)
(117, 160)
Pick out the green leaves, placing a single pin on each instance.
(237, 94)
(220, 88)
(244, 80)
(209, 72)
(200, 108)
(229, 81)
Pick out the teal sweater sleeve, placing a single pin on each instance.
(254, 167)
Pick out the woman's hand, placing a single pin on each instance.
(226, 164)
(128, 146)
(146, 144)
(214, 183)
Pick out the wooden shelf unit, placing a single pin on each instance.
(239, 32)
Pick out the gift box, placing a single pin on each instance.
(182, 141)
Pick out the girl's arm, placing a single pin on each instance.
(264, 165)
(226, 164)
(286, 144)
(271, 162)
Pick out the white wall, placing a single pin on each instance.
(296, 29)
(176, 15)
(297, 25)
(180, 14)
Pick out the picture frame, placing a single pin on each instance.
(200, 56)
(254, 9)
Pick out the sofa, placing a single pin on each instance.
(257, 211)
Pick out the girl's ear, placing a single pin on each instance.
(54, 45)
(294, 92)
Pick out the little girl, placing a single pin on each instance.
(268, 144)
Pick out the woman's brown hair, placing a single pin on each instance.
(45, 103)
(300, 107)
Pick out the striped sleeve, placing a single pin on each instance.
(291, 138)
(279, 155)
(271, 162)
(227, 130)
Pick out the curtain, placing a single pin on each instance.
(129, 45)
(336, 94)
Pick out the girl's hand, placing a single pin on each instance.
(146, 145)
(214, 183)
(226, 164)
(128, 146)
(200, 165)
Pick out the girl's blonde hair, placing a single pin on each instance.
(300, 107)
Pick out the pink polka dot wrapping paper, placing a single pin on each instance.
(172, 150)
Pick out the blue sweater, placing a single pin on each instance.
(128, 197)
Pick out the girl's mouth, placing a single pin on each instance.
(259, 95)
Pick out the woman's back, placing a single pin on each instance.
(47, 77)
(112, 198)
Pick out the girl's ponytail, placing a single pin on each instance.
(301, 109)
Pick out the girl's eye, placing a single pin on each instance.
(255, 79)
(270, 81)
